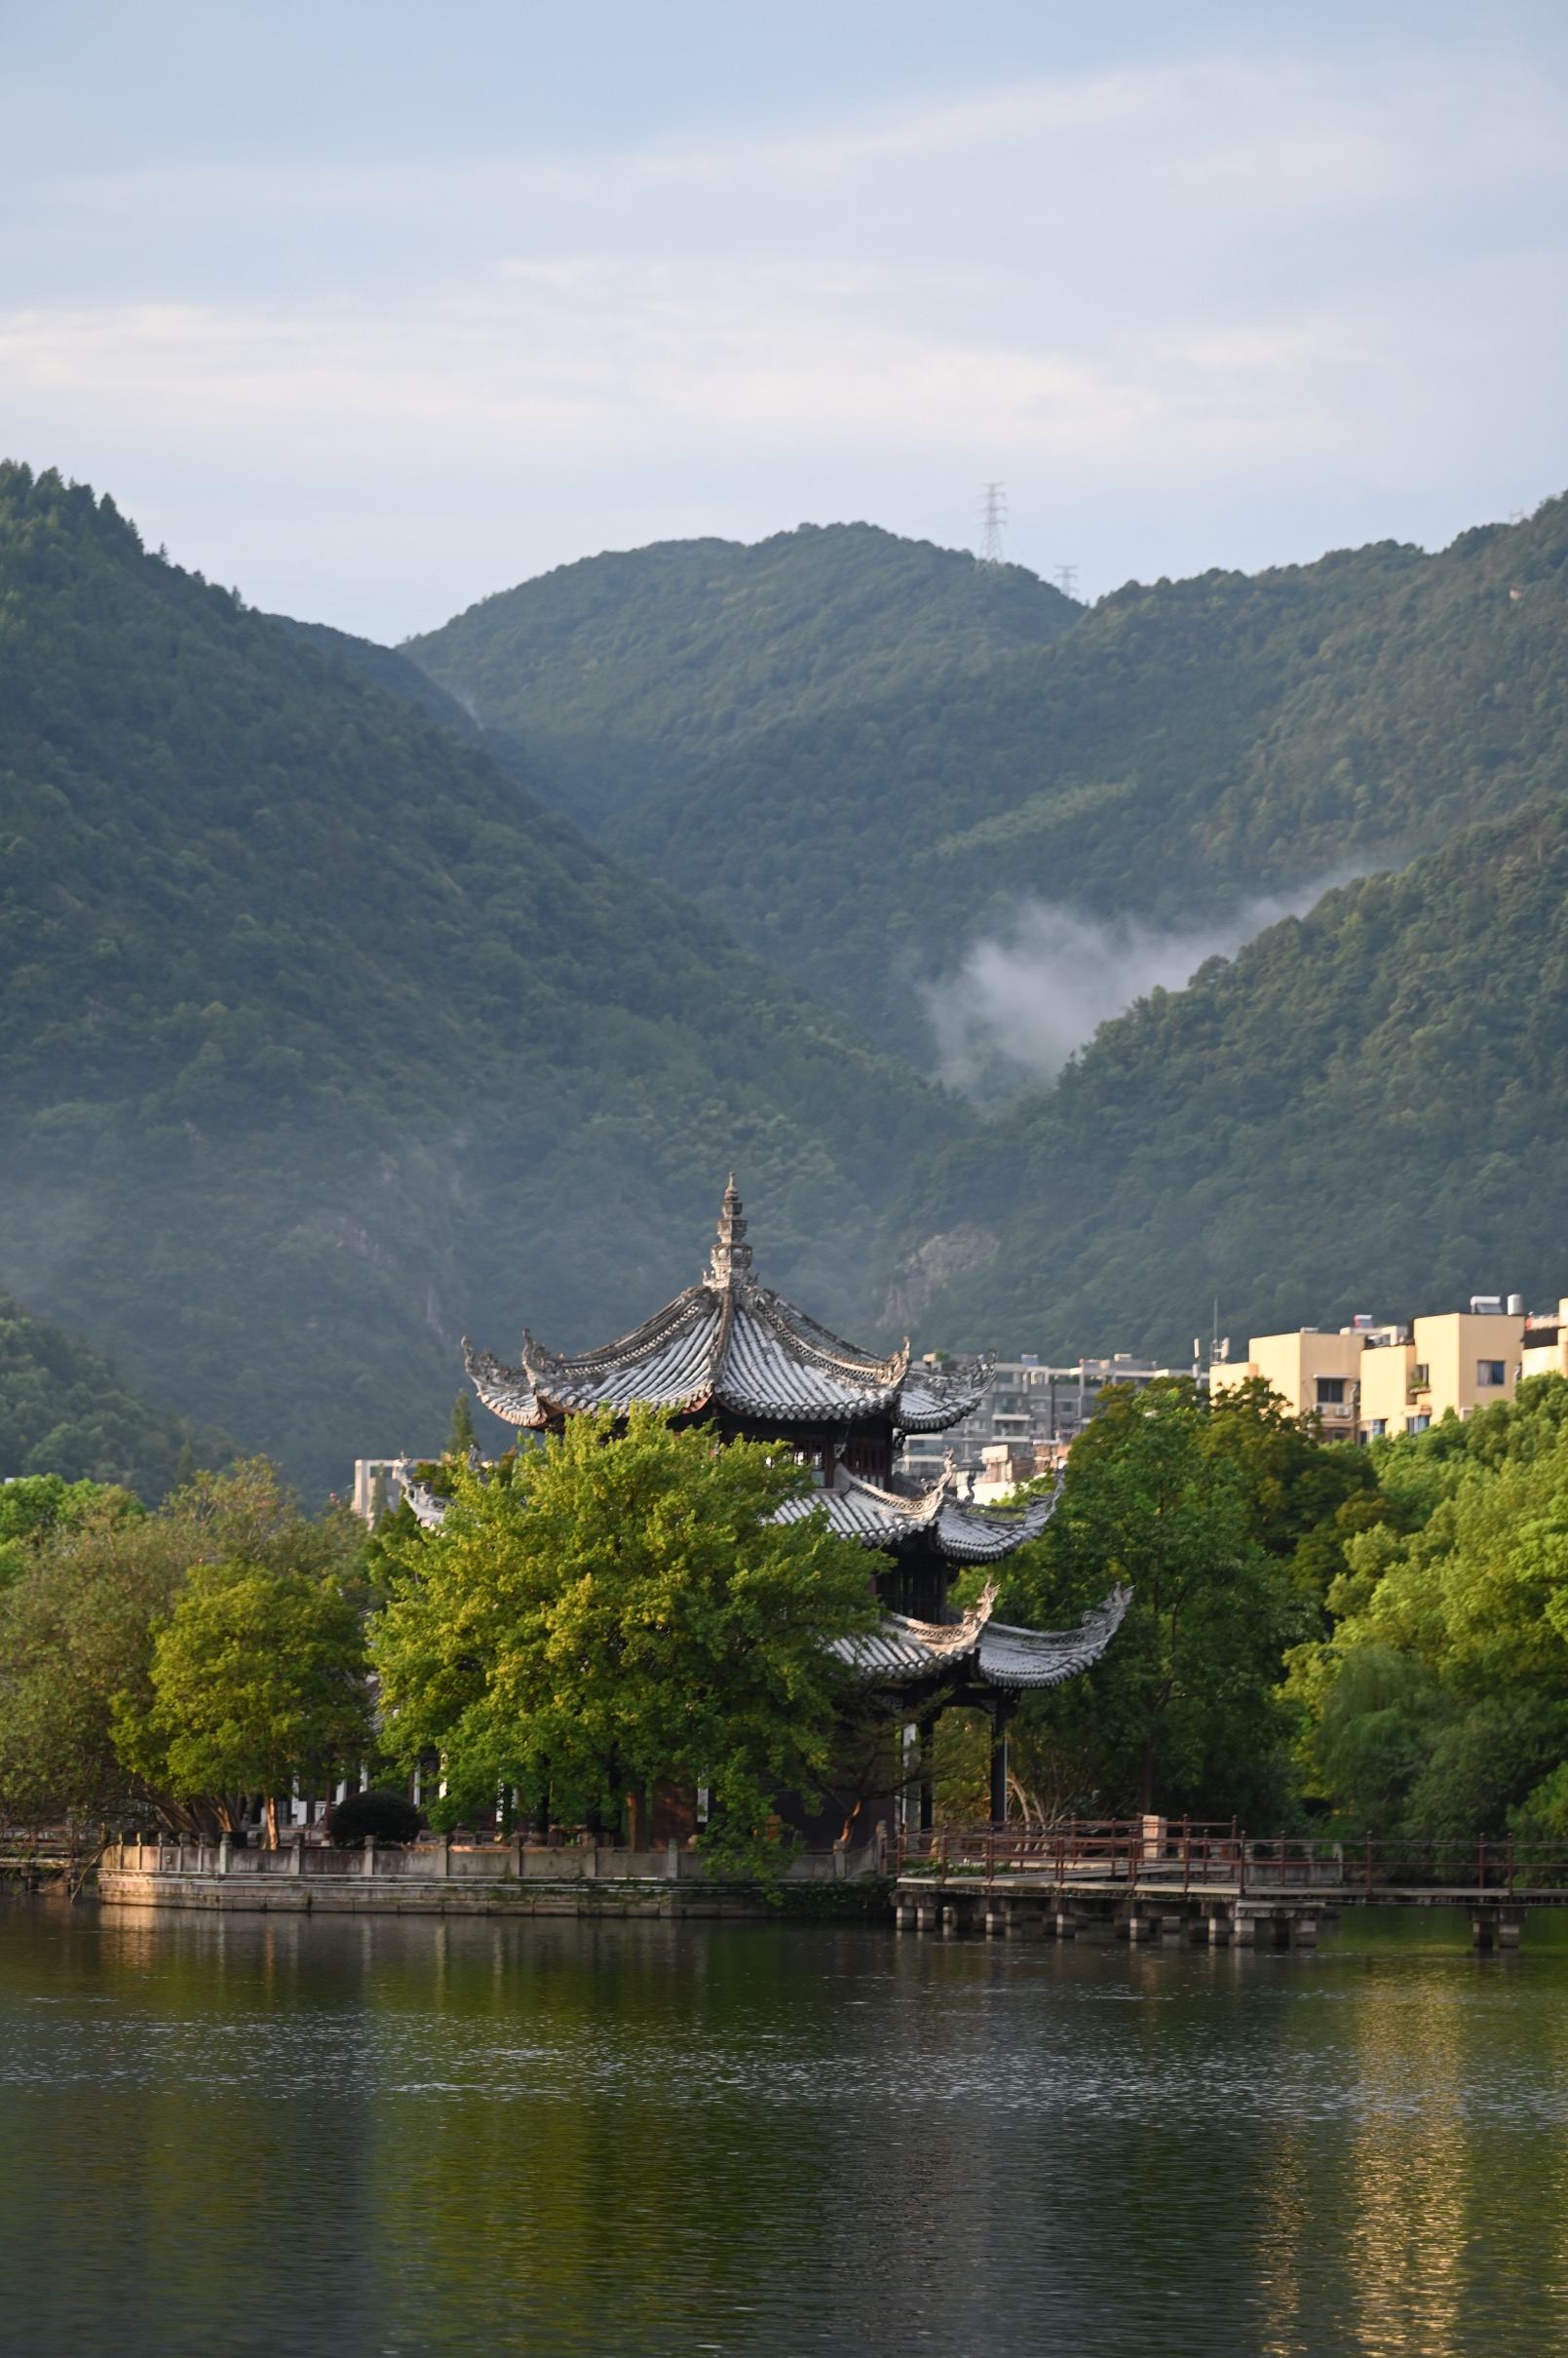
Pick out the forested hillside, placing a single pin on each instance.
(1366, 1110)
(1183, 748)
(322, 1040)
(620, 673)
(65, 1410)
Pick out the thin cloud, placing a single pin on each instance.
(1022, 1003)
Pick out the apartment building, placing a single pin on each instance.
(1028, 1418)
(1368, 1380)
(1544, 1345)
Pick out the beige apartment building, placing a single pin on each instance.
(1543, 1350)
(1368, 1380)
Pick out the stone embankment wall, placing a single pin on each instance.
(454, 1878)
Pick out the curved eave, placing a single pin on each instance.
(933, 1399)
(899, 1653)
(973, 1534)
(507, 1392)
(1032, 1657)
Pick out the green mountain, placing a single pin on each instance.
(63, 1409)
(322, 1040)
(398, 674)
(1183, 748)
(1367, 1110)
(622, 672)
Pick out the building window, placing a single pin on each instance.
(1490, 1372)
(1330, 1391)
(1379, 1425)
(1420, 1374)
(1417, 1424)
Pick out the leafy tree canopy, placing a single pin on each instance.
(78, 1629)
(1438, 1703)
(257, 1677)
(612, 1611)
(1182, 1714)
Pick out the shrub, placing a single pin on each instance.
(390, 1816)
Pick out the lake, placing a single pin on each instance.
(374, 2138)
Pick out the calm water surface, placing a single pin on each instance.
(377, 2140)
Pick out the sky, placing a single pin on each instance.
(370, 311)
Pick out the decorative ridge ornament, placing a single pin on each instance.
(730, 1256)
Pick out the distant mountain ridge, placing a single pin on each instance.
(1183, 749)
(863, 791)
(617, 674)
(321, 1040)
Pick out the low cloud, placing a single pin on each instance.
(1020, 1004)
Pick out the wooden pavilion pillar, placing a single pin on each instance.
(1003, 1706)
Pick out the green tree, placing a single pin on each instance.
(1303, 1497)
(460, 1440)
(1438, 1706)
(616, 1610)
(77, 1630)
(1182, 1713)
(36, 1504)
(259, 1677)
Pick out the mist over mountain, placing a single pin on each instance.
(321, 1040)
(1182, 749)
(1366, 1109)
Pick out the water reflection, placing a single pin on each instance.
(374, 2136)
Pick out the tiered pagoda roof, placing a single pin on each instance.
(975, 1650)
(731, 1349)
(857, 1509)
(729, 1344)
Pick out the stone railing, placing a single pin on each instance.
(444, 1860)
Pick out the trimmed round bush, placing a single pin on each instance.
(390, 1816)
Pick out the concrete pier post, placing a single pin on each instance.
(672, 1860)
(369, 1855)
(1306, 1931)
(225, 1851)
(297, 1854)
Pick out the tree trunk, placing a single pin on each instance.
(272, 1820)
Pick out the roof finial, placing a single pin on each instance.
(731, 1257)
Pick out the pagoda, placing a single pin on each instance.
(731, 1353)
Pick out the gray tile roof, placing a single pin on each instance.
(902, 1652)
(885, 1519)
(731, 1344)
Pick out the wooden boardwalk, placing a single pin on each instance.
(1150, 1880)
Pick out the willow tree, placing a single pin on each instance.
(619, 1610)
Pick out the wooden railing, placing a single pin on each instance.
(1193, 1855)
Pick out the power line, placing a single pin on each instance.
(993, 522)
